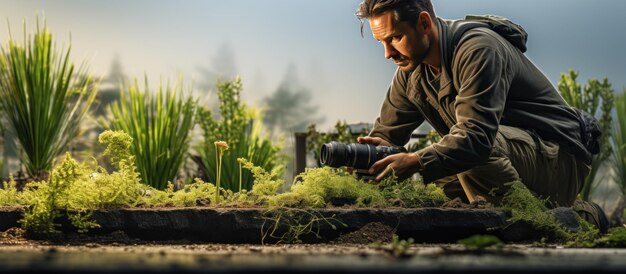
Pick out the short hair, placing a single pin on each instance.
(403, 10)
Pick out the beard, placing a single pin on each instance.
(410, 63)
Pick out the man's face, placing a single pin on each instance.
(403, 42)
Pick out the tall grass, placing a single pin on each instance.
(160, 127)
(596, 98)
(619, 141)
(240, 127)
(43, 97)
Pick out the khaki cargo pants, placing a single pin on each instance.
(548, 170)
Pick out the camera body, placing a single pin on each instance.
(358, 156)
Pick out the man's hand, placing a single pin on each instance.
(403, 164)
(377, 141)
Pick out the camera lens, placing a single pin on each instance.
(359, 156)
(333, 154)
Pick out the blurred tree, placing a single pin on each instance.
(289, 109)
(110, 87)
(222, 66)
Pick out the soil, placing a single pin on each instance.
(479, 202)
(369, 233)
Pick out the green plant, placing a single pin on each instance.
(397, 247)
(596, 98)
(413, 193)
(288, 225)
(618, 139)
(43, 97)
(240, 127)
(9, 195)
(317, 186)
(160, 127)
(525, 206)
(615, 238)
(480, 242)
(220, 147)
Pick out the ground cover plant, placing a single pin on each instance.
(77, 189)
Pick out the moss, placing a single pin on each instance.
(616, 237)
(525, 206)
(9, 195)
(478, 242)
(412, 193)
(315, 188)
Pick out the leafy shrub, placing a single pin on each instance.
(43, 97)
(240, 127)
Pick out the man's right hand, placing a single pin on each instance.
(377, 141)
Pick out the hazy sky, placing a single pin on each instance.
(317, 41)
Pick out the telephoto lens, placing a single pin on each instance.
(355, 155)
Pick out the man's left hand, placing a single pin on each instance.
(403, 164)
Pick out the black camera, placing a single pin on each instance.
(358, 156)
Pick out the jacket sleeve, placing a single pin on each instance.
(398, 116)
(481, 74)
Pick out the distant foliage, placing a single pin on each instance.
(618, 141)
(596, 98)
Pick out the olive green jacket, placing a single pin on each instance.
(492, 83)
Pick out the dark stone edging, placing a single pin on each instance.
(244, 225)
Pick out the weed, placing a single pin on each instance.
(480, 242)
(288, 225)
(220, 147)
(397, 247)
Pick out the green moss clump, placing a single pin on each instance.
(615, 238)
(45, 199)
(9, 195)
(316, 186)
(412, 193)
(525, 206)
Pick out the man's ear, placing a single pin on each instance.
(424, 21)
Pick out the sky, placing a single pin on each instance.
(314, 43)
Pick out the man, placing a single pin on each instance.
(500, 118)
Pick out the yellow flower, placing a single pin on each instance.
(221, 144)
